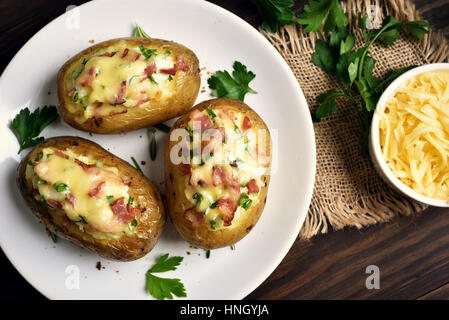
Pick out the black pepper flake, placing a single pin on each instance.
(98, 266)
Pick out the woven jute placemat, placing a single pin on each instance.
(348, 191)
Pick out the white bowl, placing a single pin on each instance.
(374, 144)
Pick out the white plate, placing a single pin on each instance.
(218, 38)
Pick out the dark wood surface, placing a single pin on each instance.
(412, 253)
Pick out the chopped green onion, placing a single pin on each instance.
(60, 187)
(211, 114)
(53, 236)
(110, 199)
(170, 78)
(152, 80)
(198, 197)
(75, 97)
(147, 53)
(163, 127)
(136, 164)
(232, 246)
(139, 32)
(134, 223)
(212, 224)
(130, 200)
(245, 202)
(153, 144)
(207, 254)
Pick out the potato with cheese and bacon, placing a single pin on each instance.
(85, 194)
(217, 171)
(126, 84)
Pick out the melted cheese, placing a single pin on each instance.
(111, 72)
(239, 147)
(414, 134)
(96, 210)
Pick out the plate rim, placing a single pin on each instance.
(256, 281)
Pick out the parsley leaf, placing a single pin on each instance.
(315, 13)
(327, 106)
(164, 288)
(275, 13)
(27, 126)
(235, 86)
(139, 32)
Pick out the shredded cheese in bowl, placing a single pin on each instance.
(414, 133)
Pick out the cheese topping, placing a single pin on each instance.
(414, 134)
(116, 78)
(89, 193)
(226, 171)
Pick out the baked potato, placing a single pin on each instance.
(217, 171)
(126, 84)
(85, 194)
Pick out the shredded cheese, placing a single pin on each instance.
(414, 134)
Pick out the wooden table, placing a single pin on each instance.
(412, 253)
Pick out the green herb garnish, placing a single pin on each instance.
(60, 187)
(213, 205)
(212, 224)
(147, 53)
(336, 55)
(245, 202)
(110, 199)
(162, 127)
(211, 114)
(139, 32)
(232, 246)
(130, 200)
(27, 126)
(53, 236)
(153, 144)
(152, 80)
(275, 13)
(198, 197)
(45, 202)
(84, 61)
(207, 254)
(136, 164)
(167, 53)
(134, 223)
(170, 78)
(235, 86)
(163, 288)
(75, 97)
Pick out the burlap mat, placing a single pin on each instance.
(348, 191)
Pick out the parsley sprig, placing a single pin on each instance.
(235, 86)
(275, 13)
(164, 288)
(28, 125)
(353, 68)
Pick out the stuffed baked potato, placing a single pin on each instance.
(86, 194)
(217, 163)
(127, 84)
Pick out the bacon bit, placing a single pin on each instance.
(142, 101)
(150, 69)
(67, 222)
(120, 210)
(121, 96)
(229, 114)
(115, 112)
(71, 198)
(234, 164)
(71, 92)
(217, 175)
(91, 41)
(88, 77)
(252, 186)
(202, 91)
(61, 154)
(184, 169)
(106, 54)
(134, 211)
(170, 71)
(195, 217)
(195, 179)
(246, 124)
(227, 207)
(136, 56)
(125, 52)
(158, 94)
(181, 64)
(55, 204)
(94, 191)
(85, 166)
(206, 123)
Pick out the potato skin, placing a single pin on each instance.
(126, 248)
(177, 203)
(187, 83)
